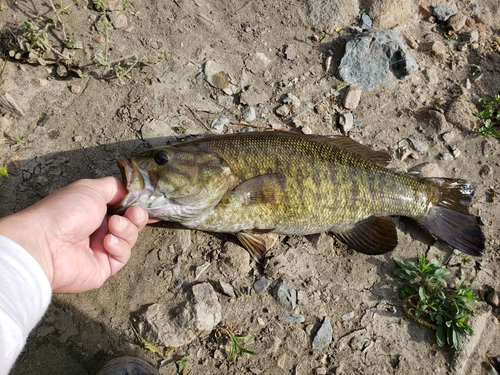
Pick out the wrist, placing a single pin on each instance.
(22, 228)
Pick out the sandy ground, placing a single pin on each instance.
(74, 128)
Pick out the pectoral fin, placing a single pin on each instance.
(374, 236)
(265, 188)
(255, 245)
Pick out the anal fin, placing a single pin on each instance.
(255, 245)
(373, 236)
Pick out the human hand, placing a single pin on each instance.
(71, 236)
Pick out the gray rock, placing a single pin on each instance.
(282, 289)
(486, 148)
(218, 124)
(326, 15)
(227, 289)
(291, 51)
(444, 11)
(174, 328)
(261, 285)
(200, 269)
(324, 335)
(437, 123)
(365, 22)
(292, 101)
(417, 145)
(375, 57)
(348, 316)
(446, 156)
(249, 114)
(346, 121)
(294, 318)
(283, 110)
(118, 19)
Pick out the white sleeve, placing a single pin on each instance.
(25, 294)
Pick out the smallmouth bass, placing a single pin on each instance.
(295, 184)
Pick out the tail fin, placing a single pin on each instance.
(448, 218)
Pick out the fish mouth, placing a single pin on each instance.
(133, 181)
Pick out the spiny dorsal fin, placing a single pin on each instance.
(374, 236)
(265, 188)
(255, 245)
(381, 158)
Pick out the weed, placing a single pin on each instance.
(181, 365)
(447, 36)
(151, 347)
(429, 301)
(235, 347)
(490, 115)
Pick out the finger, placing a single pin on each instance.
(119, 251)
(122, 228)
(112, 189)
(138, 216)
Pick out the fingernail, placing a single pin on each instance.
(113, 240)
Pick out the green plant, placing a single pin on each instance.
(235, 347)
(490, 115)
(181, 364)
(429, 301)
(3, 172)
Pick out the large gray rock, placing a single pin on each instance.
(178, 327)
(375, 57)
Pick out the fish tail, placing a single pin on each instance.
(448, 217)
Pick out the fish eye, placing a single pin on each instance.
(161, 158)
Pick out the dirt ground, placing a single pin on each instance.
(73, 128)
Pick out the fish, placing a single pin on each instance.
(287, 183)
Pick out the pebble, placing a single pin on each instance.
(291, 51)
(417, 145)
(446, 156)
(346, 121)
(178, 282)
(261, 284)
(352, 97)
(437, 122)
(444, 11)
(365, 22)
(456, 22)
(227, 289)
(324, 335)
(249, 114)
(486, 148)
(118, 19)
(438, 48)
(200, 269)
(283, 110)
(216, 77)
(492, 298)
(348, 316)
(281, 361)
(42, 82)
(292, 101)
(61, 71)
(294, 318)
(225, 101)
(282, 289)
(99, 39)
(113, 5)
(75, 89)
(321, 371)
(218, 124)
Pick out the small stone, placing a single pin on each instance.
(282, 289)
(218, 124)
(225, 101)
(484, 171)
(446, 156)
(291, 51)
(324, 335)
(352, 97)
(294, 318)
(61, 71)
(469, 37)
(444, 11)
(281, 361)
(99, 39)
(283, 110)
(261, 285)
(348, 316)
(486, 148)
(417, 145)
(365, 22)
(113, 5)
(227, 289)
(437, 122)
(200, 269)
(75, 89)
(217, 77)
(321, 371)
(346, 121)
(438, 48)
(249, 114)
(118, 20)
(178, 282)
(456, 153)
(449, 137)
(492, 298)
(42, 82)
(456, 22)
(292, 101)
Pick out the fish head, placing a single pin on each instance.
(173, 184)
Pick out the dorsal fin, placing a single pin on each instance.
(381, 158)
(374, 236)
